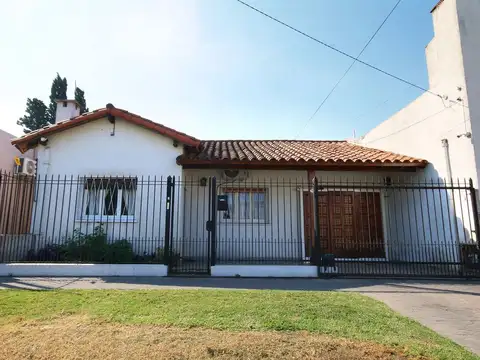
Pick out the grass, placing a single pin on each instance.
(318, 320)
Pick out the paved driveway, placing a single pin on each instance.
(450, 308)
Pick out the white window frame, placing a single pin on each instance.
(235, 212)
(84, 193)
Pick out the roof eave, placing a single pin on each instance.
(26, 142)
(301, 164)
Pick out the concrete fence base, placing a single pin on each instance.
(50, 269)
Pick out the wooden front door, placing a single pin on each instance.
(350, 224)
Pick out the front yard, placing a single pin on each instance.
(210, 324)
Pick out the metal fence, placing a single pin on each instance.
(377, 226)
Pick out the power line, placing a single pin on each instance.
(340, 51)
(407, 127)
(349, 68)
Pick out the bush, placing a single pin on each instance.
(94, 247)
(119, 252)
(157, 257)
(51, 252)
(91, 247)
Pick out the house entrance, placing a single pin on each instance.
(189, 229)
(350, 224)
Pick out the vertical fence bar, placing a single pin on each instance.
(160, 215)
(316, 248)
(155, 242)
(213, 219)
(168, 209)
(476, 222)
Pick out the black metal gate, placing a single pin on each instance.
(190, 225)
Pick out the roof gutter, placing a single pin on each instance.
(191, 163)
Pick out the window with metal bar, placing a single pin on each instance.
(247, 205)
(109, 198)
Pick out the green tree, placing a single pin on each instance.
(57, 92)
(80, 98)
(36, 117)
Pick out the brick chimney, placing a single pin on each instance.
(66, 110)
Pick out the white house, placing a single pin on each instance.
(443, 130)
(13, 218)
(235, 206)
(270, 207)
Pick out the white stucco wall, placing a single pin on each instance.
(418, 129)
(282, 237)
(90, 151)
(469, 26)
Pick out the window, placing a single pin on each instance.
(247, 205)
(109, 197)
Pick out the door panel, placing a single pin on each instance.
(369, 219)
(350, 224)
(308, 218)
(324, 223)
(342, 216)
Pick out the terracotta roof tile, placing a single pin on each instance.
(241, 152)
(26, 141)
(292, 151)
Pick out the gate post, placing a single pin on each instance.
(168, 207)
(213, 219)
(473, 196)
(316, 247)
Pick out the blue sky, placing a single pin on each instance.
(214, 68)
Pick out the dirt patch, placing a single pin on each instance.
(79, 338)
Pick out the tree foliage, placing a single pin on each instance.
(57, 92)
(39, 115)
(80, 98)
(36, 117)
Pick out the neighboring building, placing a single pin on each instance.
(7, 152)
(443, 130)
(15, 193)
(236, 202)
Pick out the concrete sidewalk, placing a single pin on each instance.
(452, 308)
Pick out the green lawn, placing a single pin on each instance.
(339, 315)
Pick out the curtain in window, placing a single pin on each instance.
(244, 203)
(111, 200)
(92, 202)
(231, 209)
(259, 208)
(128, 202)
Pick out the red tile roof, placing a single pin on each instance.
(25, 142)
(242, 153)
(278, 152)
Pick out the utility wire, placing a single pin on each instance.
(340, 51)
(348, 69)
(407, 127)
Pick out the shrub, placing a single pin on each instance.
(51, 252)
(119, 252)
(94, 247)
(157, 257)
(90, 247)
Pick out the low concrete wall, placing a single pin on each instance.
(50, 269)
(264, 270)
